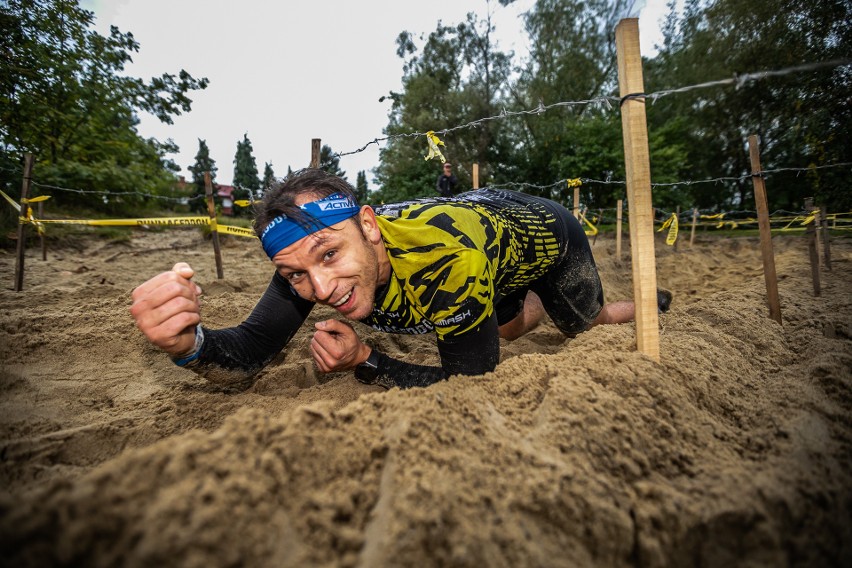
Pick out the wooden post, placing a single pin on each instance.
(817, 230)
(41, 234)
(694, 221)
(826, 252)
(577, 202)
(618, 207)
(475, 176)
(638, 169)
(677, 216)
(765, 230)
(22, 234)
(812, 250)
(598, 227)
(315, 152)
(211, 210)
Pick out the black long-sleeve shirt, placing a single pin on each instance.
(450, 261)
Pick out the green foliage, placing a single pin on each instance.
(203, 163)
(330, 162)
(803, 119)
(268, 176)
(246, 183)
(361, 189)
(64, 96)
(459, 77)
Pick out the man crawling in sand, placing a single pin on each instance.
(473, 268)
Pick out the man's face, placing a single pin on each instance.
(448, 170)
(336, 266)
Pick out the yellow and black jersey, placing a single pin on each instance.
(461, 267)
(453, 258)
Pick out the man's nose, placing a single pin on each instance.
(323, 286)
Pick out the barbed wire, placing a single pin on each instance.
(606, 102)
(118, 193)
(744, 177)
(506, 185)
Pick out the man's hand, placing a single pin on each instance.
(336, 347)
(167, 308)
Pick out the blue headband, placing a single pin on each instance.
(282, 231)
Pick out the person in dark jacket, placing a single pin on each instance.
(446, 182)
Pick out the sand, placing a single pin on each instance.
(734, 450)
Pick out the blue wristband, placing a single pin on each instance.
(196, 352)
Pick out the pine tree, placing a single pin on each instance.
(246, 182)
(268, 176)
(361, 190)
(203, 163)
(330, 162)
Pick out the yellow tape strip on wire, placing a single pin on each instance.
(671, 223)
(434, 142)
(593, 230)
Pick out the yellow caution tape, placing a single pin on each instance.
(434, 142)
(12, 201)
(182, 221)
(242, 202)
(239, 231)
(594, 230)
(716, 216)
(671, 223)
(36, 199)
(576, 182)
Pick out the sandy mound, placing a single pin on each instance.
(735, 450)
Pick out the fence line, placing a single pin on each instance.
(606, 102)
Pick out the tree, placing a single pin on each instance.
(246, 182)
(268, 176)
(64, 97)
(361, 190)
(330, 162)
(458, 77)
(803, 119)
(203, 163)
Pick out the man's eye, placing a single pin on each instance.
(329, 255)
(293, 277)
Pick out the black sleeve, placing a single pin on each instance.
(248, 347)
(475, 353)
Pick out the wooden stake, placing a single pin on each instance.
(638, 169)
(22, 233)
(41, 235)
(765, 230)
(826, 253)
(812, 249)
(475, 176)
(600, 216)
(577, 202)
(211, 210)
(677, 216)
(619, 206)
(315, 152)
(694, 221)
(818, 230)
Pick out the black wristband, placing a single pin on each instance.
(368, 371)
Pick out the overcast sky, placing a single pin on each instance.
(287, 72)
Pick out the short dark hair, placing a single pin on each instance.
(280, 198)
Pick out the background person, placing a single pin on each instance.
(446, 183)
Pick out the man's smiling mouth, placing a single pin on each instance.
(342, 300)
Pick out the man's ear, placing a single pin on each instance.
(369, 226)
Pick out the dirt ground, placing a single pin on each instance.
(734, 450)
